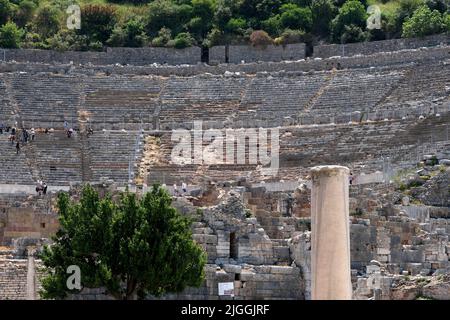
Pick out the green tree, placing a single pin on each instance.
(10, 35)
(203, 18)
(236, 26)
(354, 33)
(6, 11)
(272, 25)
(46, 22)
(423, 22)
(447, 22)
(323, 12)
(260, 9)
(442, 6)
(351, 13)
(24, 12)
(132, 34)
(132, 247)
(97, 22)
(295, 17)
(166, 14)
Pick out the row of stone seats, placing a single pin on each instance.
(57, 157)
(366, 147)
(46, 100)
(120, 100)
(355, 90)
(13, 279)
(200, 98)
(110, 153)
(5, 105)
(14, 167)
(115, 101)
(280, 96)
(423, 85)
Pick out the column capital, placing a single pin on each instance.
(328, 171)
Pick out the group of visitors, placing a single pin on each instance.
(41, 187)
(16, 136)
(69, 131)
(183, 188)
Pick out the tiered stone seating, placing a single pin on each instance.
(110, 153)
(422, 84)
(5, 106)
(354, 90)
(46, 100)
(285, 99)
(208, 98)
(13, 279)
(364, 147)
(57, 158)
(14, 167)
(276, 97)
(121, 102)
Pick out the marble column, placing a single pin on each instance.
(330, 234)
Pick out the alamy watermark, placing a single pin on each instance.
(227, 147)
(74, 280)
(74, 19)
(374, 19)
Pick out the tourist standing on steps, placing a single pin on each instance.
(175, 189)
(44, 188)
(33, 133)
(39, 187)
(66, 125)
(183, 187)
(1, 128)
(17, 147)
(350, 178)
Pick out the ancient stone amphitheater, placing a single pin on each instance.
(379, 113)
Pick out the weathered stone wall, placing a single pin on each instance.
(422, 55)
(30, 222)
(247, 53)
(252, 282)
(365, 48)
(132, 56)
(217, 54)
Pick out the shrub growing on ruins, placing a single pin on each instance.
(10, 35)
(182, 40)
(132, 247)
(260, 38)
(164, 36)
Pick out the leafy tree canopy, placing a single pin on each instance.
(132, 247)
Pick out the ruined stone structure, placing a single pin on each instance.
(384, 115)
